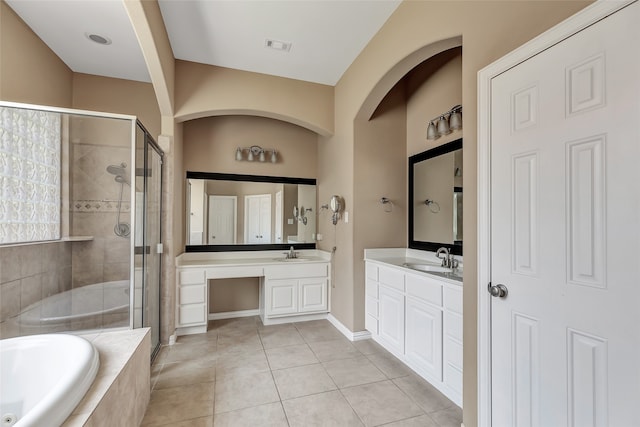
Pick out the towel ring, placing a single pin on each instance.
(433, 206)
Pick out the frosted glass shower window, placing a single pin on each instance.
(30, 143)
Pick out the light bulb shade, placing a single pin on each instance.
(274, 157)
(238, 154)
(455, 120)
(443, 126)
(250, 156)
(432, 132)
(261, 157)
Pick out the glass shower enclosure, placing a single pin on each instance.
(83, 191)
(148, 242)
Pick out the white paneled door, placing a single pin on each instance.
(565, 232)
(223, 220)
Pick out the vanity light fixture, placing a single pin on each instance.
(445, 123)
(256, 152)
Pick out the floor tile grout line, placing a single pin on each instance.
(308, 343)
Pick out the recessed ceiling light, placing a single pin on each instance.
(277, 45)
(98, 39)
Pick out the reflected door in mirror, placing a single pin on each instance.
(222, 220)
(257, 219)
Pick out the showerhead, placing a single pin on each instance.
(117, 170)
(120, 172)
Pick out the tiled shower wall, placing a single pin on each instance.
(32, 272)
(97, 143)
(29, 273)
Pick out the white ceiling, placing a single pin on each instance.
(325, 35)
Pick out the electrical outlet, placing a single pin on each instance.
(319, 237)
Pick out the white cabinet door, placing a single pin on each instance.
(391, 318)
(423, 345)
(313, 294)
(282, 297)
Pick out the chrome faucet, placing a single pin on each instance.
(448, 261)
(292, 254)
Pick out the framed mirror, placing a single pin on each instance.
(229, 212)
(435, 198)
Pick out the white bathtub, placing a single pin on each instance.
(86, 307)
(43, 378)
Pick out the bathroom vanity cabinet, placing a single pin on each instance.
(418, 317)
(290, 290)
(295, 289)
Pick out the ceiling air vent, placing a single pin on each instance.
(277, 45)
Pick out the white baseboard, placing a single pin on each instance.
(351, 336)
(233, 314)
(172, 338)
(293, 319)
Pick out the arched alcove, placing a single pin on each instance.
(389, 115)
(256, 113)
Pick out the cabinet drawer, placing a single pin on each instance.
(391, 277)
(191, 277)
(372, 271)
(371, 324)
(371, 306)
(292, 271)
(453, 299)
(195, 294)
(424, 288)
(453, 325)
(232, 272)
(371, 289)
(453, 353)
(192, 314)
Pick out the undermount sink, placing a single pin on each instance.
(299, 259)
(429, 268)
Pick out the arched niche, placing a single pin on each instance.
(399, 70)
(256, 113)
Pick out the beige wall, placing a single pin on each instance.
(205, 90)
(29, 71)
(210, 146)
(489, 30)
(380, 170)
(233, 294)
(432, 89)
(117, 96)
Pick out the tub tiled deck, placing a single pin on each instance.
(120, 393)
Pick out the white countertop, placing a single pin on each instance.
(397, 257)
(249, 258)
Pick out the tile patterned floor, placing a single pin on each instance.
(241, 373)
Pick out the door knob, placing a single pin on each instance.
(498, 291)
